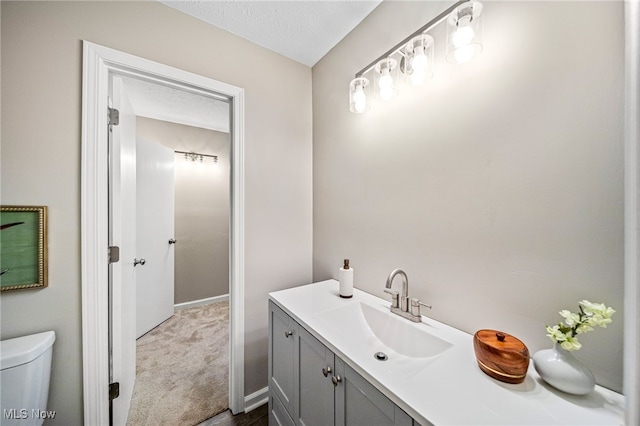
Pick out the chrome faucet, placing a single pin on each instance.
(394, 294)
(400, 303)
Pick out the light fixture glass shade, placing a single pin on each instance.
(386, 71)
(359, 95)
(464, 32)
(418, 59)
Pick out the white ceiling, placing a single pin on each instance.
(164, 103)
(302, 30)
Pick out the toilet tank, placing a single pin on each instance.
(25, 369)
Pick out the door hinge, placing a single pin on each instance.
(114, 254)
(114, 117)
(114, 390)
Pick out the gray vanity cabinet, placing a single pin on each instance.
(309, 385)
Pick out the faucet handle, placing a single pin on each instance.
(394, 298)
(424, 304)
(415, 306)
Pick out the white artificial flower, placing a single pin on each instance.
(570, 318)
(571, 344)
(587, 306)
(583, 328)
(590, 315)
(556, 334)
(597, 309)
(599, 320)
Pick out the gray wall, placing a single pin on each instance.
(498, 186)
(201, 208)
(41, 122)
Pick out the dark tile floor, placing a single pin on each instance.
(257, 417)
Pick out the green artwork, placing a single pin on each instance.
(22, 247)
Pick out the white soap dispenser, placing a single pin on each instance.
(346, 280)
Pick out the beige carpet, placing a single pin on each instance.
(182, 373)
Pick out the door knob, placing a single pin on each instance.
(139, 262)
(172, 241)
(288, 333)
(326, 371)
(336, 379)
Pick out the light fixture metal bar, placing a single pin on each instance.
(426, 27)
(197, 153)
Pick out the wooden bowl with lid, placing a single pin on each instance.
(501, 356)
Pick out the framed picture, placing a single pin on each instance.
(23, 247)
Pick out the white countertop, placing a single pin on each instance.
(447, 389)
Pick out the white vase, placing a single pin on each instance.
(562, 370)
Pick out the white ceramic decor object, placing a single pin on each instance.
(562, 370)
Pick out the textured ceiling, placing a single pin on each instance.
(300, 30)
(165, 103)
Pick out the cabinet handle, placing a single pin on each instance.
(336, 379)
(326, 371)
(288, 333)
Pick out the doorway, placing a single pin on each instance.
(99, 64)
(183, 211)
(182, 219)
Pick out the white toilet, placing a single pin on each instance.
(25, 364)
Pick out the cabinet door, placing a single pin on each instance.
(359, 403)
(314, 369)
(282, 332)
(278, 415)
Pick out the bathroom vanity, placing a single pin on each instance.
(353, 362)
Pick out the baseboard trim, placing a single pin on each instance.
(256, 399)
(201, 302)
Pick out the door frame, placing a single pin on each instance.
(99, 63)
(632, 212)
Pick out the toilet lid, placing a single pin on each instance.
(21, 350)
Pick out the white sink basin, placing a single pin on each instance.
(377, 327)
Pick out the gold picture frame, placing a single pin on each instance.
(23, 247)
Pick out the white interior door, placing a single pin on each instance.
(122, 226)
(155, 229)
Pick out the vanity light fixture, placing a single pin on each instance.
(464, 32)
(418, 59)
(358, 95)
(414, 56)
(386, 71)
(194, 156)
